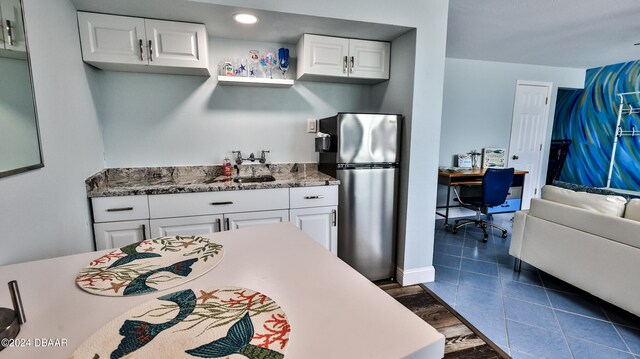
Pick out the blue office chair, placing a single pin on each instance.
(495, 188)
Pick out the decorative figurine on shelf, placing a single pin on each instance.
(254, 60)
(283, 61)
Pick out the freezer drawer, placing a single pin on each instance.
(367, 217)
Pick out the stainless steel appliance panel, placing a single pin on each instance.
(367, 220)
(368, 138)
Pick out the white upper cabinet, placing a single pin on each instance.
(123, 43)
(326, 58)
(12, 35)
(369, 59)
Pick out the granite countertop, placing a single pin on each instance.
(185, 179)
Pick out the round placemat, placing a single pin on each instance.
(223, 322)
(150, 265)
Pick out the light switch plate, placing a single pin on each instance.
(312, 125)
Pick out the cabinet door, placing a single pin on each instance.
(119, 234)
(176, 44)
(13, 38)
(250, 219)
(319, 223)
(186, 226)
(323, 55)
(112, 39)
(369, 59)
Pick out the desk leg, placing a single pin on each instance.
(446, 209)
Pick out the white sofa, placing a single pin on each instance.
(589, 240)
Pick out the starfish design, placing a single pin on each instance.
(204, 295)
(252, 72)
(150, 249)
(186, 244)
(242, 68)
(117, 286)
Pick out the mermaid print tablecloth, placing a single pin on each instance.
(224, 322)
(150, 265)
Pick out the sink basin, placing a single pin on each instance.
(256, 179)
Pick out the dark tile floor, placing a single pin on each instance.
(529, 314)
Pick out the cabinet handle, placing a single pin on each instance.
(141, 49)
(150, 51)
(352, 62)
(226, 222)
(344, 65)
(219, 223)
(144, 232)
(334, 217)
(120, 209)
(220, 203)
(313, 197)
(10, 34)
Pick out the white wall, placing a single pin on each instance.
(44, 213)
(478, 104)
(168, 120)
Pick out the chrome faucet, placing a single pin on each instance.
(263, 156)
(252, 157)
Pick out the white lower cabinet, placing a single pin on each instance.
(128, 219)
(318, 223)
(186, 226)
(119, 234)
(315, 211)
(250, 219)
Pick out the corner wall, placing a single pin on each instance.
(44, 213)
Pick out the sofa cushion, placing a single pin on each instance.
(633, 210)
(613, 228)
(605, 204)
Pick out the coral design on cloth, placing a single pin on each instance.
(224, 322)
(149, 266)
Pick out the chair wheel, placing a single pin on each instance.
(449, 227)
(485, 237)
(504, 235)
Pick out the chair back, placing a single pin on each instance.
(495, 186)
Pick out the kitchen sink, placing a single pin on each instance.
(256, 179)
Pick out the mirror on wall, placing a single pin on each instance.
(19, 139)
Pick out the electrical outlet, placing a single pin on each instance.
(312, 125)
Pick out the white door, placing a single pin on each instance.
(324, 55)
(112, 39)
(176, 44)
(319, 223)
(528, 133)
(369, 59)
(13, 31)
(186, 226)
(119, 234)
(250, 219)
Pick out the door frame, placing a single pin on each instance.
(537, 182)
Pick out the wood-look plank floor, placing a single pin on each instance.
(462, 340)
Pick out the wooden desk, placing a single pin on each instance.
(469, 177)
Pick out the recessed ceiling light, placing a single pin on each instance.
(245, 18)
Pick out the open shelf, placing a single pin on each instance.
(253, 81)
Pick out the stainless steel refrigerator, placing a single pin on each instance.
(363, 152)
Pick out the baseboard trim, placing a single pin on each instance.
(415, 276)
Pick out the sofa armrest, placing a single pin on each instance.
(517, 233)
(619, 229)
